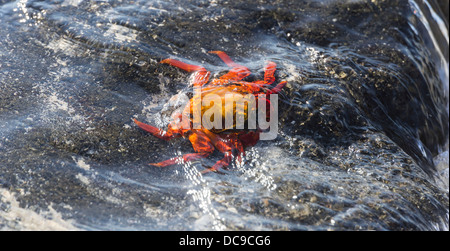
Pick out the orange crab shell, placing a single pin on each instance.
(231, 106)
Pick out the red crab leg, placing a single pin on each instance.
(237, 73)
(202, 75)
(274, 90)
(225, 58)
(158, 132)
(269, 75)
(269, 72)
(226, 146)
(178, 160)
(277, 88)
(183, 66)
(201, 144)
(220, 164)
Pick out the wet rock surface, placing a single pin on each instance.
(363, 115)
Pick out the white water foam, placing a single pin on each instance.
(19, 218)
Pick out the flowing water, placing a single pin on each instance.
(363, 121)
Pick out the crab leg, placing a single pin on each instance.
(274, 90)
(178, 160)
(202, 75)
(220, 164)
(277, 88)
(170, 134)
(201, 144)
(238, 72)
(227, 146)
(269, 73)
(183, 66)
(225, 58)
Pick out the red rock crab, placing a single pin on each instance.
(230, 141)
